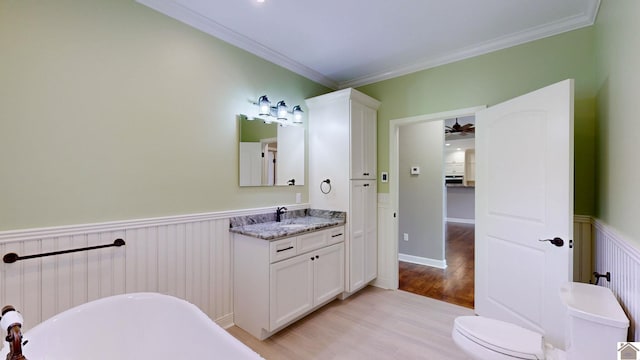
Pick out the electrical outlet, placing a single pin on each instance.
(406, 237)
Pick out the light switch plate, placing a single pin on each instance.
(384, 177)
(415, 170)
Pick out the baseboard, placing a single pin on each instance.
(461, 221)
(226, 321)
(441, 264)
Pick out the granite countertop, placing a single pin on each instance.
(265, 227)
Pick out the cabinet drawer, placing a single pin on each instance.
(283, 249)
(311, 241)
(335, 235)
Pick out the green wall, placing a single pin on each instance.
(618, 96)
(110, 111)
(492, 78)
(256, 130)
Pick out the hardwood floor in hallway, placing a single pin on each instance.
(455, 284)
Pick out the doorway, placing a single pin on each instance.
(519, 271)
(450, 279)
(436, 243)
(391, 250)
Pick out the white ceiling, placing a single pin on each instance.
(346, 43)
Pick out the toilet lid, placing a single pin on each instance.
(501, 337)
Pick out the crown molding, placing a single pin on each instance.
(343, 94)
(532, 34)
(190, 17)
(202, 23)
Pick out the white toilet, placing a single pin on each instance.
(595, 324)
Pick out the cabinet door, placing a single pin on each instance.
(291, 290)
(328, 279)
(370, 209)
(370, 129)
(470, 167)
(357, 234)
(363, 234)
(363, 142)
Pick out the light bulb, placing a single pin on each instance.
(264, 104)
(282, 110)
(297, 114)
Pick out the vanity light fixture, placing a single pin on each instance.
(279, 113)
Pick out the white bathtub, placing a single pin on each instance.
(137, 326)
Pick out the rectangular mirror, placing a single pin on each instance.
(270, 154)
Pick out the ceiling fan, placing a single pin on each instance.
(459, 129)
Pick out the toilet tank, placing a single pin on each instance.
(596, 322)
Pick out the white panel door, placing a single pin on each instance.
(290, 155)
(250, 164)
(524, 194)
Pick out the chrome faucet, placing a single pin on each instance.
(279, 212)
(12, 321)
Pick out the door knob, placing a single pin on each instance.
(555, 241)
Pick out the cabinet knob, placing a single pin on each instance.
(365, 174)
(317, 256)
(312, 258)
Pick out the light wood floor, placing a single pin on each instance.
(455, 284)
(372, 324)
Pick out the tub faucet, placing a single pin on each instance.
(12, 321)
(279, 212)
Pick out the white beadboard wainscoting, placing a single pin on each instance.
(582, 248)
(186, 256)
(621, 257)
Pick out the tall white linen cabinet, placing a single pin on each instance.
(342, 174)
